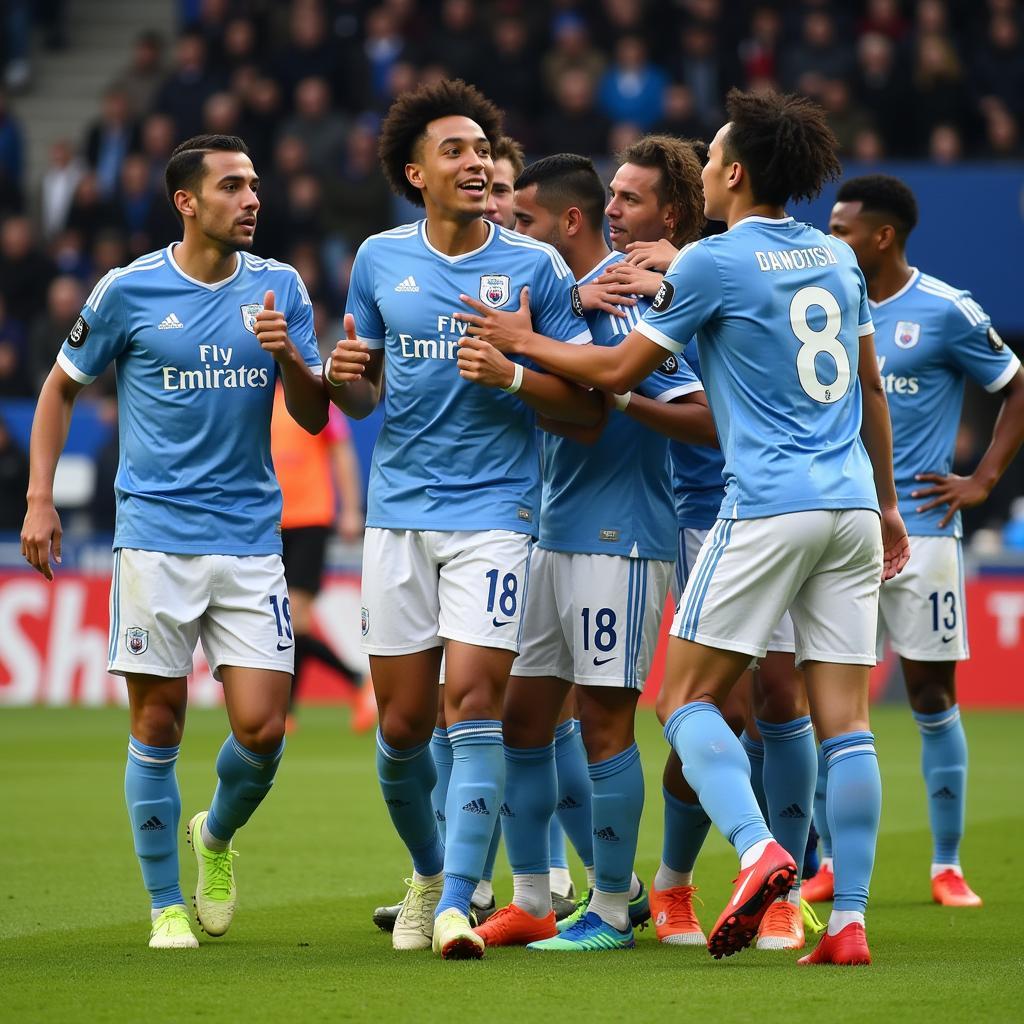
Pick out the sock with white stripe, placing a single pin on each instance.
(154, 809)
(944, 766)
(717, 769)
(244, 778)
(854, 806)
(790, 772)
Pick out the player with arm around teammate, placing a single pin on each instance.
(929, 337)
(785, 337)
(200, 332)
(454, 487)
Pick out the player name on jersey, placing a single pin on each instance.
(795, 259)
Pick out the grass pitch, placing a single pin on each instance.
(320, 854)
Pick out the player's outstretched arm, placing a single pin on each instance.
(354, 374)
(876, 432)
(41, 531)
(967, 491)
(686, 418)
(303, 392)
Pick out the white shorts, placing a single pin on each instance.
(824, 566)
(690, 543)
(160, 604)
(422, 587)
(922, 610)
(593, 619)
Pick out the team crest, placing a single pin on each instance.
(249, 311)
(495, 289)
(365, 620)
(907, 334)
(136, 640)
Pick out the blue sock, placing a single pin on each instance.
(574, 790)
(718, 771)
(154, 809)
(617, 804)
(820, 815)
(526, 811)
(686, 828)
(441, 751)
(944, 764)
(492, 852)
(854, 806)
(790, 772)
(406, 780)
(474, 796)
(755, 755)
(243, 780)
(558, 856)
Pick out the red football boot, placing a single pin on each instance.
(847, 948)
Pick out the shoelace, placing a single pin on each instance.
(175, 917)
(778, 917)
(501, 921)
(414, 906)
(679, 912)
(812, 923)
(218, 874)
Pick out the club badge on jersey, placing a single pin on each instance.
(495, 289)
(249, 311)
(907, 334)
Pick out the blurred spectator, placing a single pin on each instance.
(931, 18)
(883, 88)
(13, 482)
(679, 115)
(886, 18)
(307, 52)
(222, 114)
(67, 251)
(57, 187)
(820, 52)
(64, 300)
(135, 198)
(509, 74)
(108, 251)
(261, 118)
(240, 45)
(15, 381)
(11, 159)
(574, 124)
(941, 95)
(868, 147)
(1002, 134)
(699, 67)
(456, 41)
(620, 18)
(999, 64)
(759, 51)
(571, 51)
(383, 48)
(141, 79)
(845, 117)
(945, 145)
(90, 212)
(188, 86)
(633, 88)
(321, 130)
(25, 271)
(110, 139)
(16, 17)
(156, 141)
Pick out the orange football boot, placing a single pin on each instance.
(782, 927)
(847, 948)
(950, 889)
(675, 920)
(513, 926)
(821, 887)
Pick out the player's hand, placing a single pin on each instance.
(272, 330)
(348, 361)
(41, 532)
(480, 362)
(506, 331)
(651, 255)
(606, 298)
(634, 280)
(895, 544)
(351, 524)
(956, 491)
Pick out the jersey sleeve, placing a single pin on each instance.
(361, 302)
(865, 325)
(689, 296)
(98, 336)
(555, 304)
(301, 328)
(673, 379)
(975, 347)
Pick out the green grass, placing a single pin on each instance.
(320, 855)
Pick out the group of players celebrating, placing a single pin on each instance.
(715, 421)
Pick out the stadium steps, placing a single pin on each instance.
(64, 97)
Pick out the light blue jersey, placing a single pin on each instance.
(195, 395)
(778, 309)
(615, 497)
(697, 469)
(452, 455)
(929, 337)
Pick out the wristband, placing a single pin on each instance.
(330, 380)
(621, 401)
(517, 380)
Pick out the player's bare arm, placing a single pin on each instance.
(303, 393)
(41, 532)
(651, 255)
(876, 432)
(686, 418)
(354, 374)
(960, 492)
(617, 369)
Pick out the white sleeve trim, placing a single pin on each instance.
(73, 371)
(653, 334)
(678, 392)
(1005, 377)
(865, 329)
(316, 367)
(583, 338)
(370, 342)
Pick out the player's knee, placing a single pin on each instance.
(158, 724)
(931, 698)
(264, 737)
(403, 731)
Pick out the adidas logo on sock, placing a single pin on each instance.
(153, 825)
(396, 802)
(506, 811)
(607, 834)
(944, 794)
(567, 804)
(792, 811)
(439, 816)
(476, 807)
(170, 323)
(408, 285)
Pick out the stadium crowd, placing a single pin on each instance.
(307, 83)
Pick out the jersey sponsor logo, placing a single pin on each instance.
(664, 297)
(576, 302)
(216, 372)
(897, 385)
(495, 289)
(170, 323)
(670, 366)
(136, 640)
(249, 311)
(795, 259)
(994, 341)
(907, 334)
(78, 333)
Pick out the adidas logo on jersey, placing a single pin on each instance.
(567, 804)
(944, 794)
(154, 824)
(607, 834)
(792, 811)
(476, 807)
(170, 323)
(408, 285)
